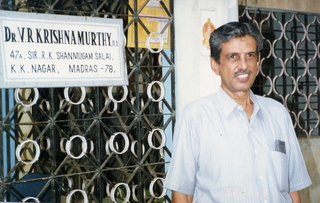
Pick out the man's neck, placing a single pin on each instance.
(243, 98)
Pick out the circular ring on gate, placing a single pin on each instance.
(163, 138)
(133, 144)
(151, 188)
(36, 97)
(114, 189)
(30, 198)
(134, 196)
(84, 194)
(149, 88)
(91, 147)
(133, 99)
(70, 182)
(45, 107)
(107, 148)
(66, 96)
(61, 105)
(160, 104)
(125, 94)
(126, 143)
(161, 40)
(42, 144)
(83, 107)
(107, 105)
(35, 158)
(108, 189)
(84, 146)
(62, 142)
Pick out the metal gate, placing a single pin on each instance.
(93, 144)
(290, 70)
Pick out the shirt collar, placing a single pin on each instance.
(228, 104)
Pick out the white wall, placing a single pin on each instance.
(194, 77)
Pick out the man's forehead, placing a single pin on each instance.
(250, 43)
(239, 53)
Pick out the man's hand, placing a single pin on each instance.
(295, 196)
(178, 197)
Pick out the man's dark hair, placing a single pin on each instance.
(230, 30)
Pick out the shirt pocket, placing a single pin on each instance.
(280, 171)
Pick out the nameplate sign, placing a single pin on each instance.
(45, 50)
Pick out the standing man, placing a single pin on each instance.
(234, 146)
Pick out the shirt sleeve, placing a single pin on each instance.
(298, 174)
(181, 175)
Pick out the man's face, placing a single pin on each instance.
(238, 66)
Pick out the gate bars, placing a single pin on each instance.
(94, 144)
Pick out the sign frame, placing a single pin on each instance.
(46, 50)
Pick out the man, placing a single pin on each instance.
(234, 146)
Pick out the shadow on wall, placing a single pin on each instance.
(310, 148)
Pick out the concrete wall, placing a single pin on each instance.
(310, 148)
(295, 5)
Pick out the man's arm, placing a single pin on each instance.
(178, 197)
(295, 196)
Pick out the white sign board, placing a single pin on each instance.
(44, 50)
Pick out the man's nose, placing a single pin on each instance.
(243, 63)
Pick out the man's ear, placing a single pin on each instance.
(214, 66)
(259, 59)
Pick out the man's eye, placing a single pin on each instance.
(251, 55)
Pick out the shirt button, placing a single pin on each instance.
(260, 177)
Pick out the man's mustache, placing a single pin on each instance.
(242, 71)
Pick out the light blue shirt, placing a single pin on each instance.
(219, 156)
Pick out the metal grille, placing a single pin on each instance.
(290, 70)
(93, 144)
